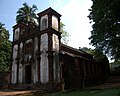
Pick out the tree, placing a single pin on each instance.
(26, 14)
(87, 50)
(105, 18)
(5, 48)
(65, 35)
(96, 53)
(3, 33)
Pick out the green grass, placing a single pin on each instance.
(100, 92)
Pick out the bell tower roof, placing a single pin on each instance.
(49, 11)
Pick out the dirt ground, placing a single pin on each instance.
(110, 83)
(15, 93)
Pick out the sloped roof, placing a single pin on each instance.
(49, 11)
(75, 52)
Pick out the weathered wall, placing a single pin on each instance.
(56, 63)
(55, 22)
(44, 70)
(16, 34)
(42, 27)
(35, 64)
(20, 78)
(4, 79)
(14, 65)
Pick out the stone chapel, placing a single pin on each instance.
(40, 60)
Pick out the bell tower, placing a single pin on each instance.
(49, 26)
(49, 18)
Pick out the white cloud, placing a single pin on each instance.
(74, 16)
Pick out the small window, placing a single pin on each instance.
(44, 24)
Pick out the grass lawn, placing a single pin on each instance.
(89, 92)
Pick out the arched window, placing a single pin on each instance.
(44, 24)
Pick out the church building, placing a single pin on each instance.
(40, 60)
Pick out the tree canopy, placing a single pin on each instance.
(105, 19)
(3, 33)
(5, 48)
(26, 14)
(65, 35)
(96, 53)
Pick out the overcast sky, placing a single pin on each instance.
(74, 16)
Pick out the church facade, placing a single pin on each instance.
(40, 60)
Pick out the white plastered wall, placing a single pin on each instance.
(35, 65)
(16, 35)
(56, 64)
(55, 22)
(14, 65)
(20, 65)
(44, 69)
(20, 73)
